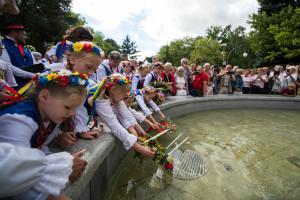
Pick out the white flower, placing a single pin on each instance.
(64, 72)
(82, 81)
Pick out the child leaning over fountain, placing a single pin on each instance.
(145, 96)
(106, 95)
(53, 97)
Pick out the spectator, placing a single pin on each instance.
(290, 77)
(237, 85)
(15, 54)
(193, 68)
(209, 76)
(276, 88)
(181, 83)
(110, 66)
(246, 82)
(187, 70)
(225, 81)
(168, 77)
(235, 68)
(289, 91)
(199, 83)
(258, 82)
(173, 70)
(215, 72)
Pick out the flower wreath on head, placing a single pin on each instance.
(63, 77)
(143, 66)
(86, 47)
(149, 90)
(159, 64)
(131, 94)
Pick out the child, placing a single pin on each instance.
(139, 78)
(155, 74)
(53, 97)
(144, 97)
(73, 35)
(138, 116)
(84, 58)
(127, 71)
(289, 91)
(106, 95)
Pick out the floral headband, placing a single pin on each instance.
(143, 66)
(159, 64)
(63, 77)
(131, 94)
(149, 90)
(117, 81)
(86, 47)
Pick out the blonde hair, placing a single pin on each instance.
(79, 55)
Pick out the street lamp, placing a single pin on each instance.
(223, 52)
(245, 54)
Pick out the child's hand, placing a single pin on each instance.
(155, 126)
(89, 135)
(142, 133)
(66, 139)
(78, 167)
(162, 116)
(144, 151)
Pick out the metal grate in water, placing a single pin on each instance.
(187, 164)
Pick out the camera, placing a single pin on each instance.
(185, 62)
(230, 72)
(195, 73)
(288, 70)
(276, 72)
(217, 70)
(149, 59)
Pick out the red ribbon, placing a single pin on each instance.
(111, 69)
(11, 99)
(13, 27)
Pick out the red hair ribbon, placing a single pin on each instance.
(11, 99)
(13, 26)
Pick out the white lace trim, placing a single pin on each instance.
(56, 173)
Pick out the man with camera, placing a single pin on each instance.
(225, 79)
(199, 83)
(290, 77)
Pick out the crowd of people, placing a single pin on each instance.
(66, 95)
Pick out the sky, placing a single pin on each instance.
(152, 24)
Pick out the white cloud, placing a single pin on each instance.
(145, 53)
(133, 36)
(166, 20)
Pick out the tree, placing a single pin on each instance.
(45, 21)
(275, 38)
(207, 50)
(236, 42)
(110, 45)
(128, 47)
(270, 6)
(178, 49)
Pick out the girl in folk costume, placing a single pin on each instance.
(106, 95)
(145, 96)
(80, 33)
(53, 97)
(108, 67)
(84, 58)
(127, 70)
(154, 75)
(139, 78)
(138, 116)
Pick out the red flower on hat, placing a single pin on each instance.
(35, 79)
(82, 75)
(168, 166)
(63, 80)
(116, 81)
(87, 47)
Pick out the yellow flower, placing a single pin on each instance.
(51, 76)
(75, 73)
(125, 80)
(77, 47)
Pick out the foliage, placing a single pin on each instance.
(270, 6)
(236, 41)
(207, 50)
(110, 45)
(45, 21)
(275, 38)
(128, 47)
(178, 49)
